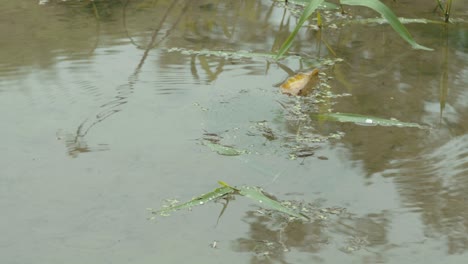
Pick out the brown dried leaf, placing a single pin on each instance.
(298, 84)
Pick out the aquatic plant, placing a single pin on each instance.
(376, 5)
(364, 120)
(254, 193)
(446, 9)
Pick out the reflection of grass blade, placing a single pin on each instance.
(443, 86)
(309, 9)
(390, 17)
(257, 195)
(363, 120)
(448, 7)
(200, 200)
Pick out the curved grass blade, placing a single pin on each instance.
(364, 120)
(199, 200)
(308, 11)
(257, 195)
(390, 17)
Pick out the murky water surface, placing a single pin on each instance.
(104, 108)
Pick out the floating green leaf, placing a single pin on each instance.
(253, 193)
(402, 20)
(364, 120)
(257, 195)
(222, 149)
(200, 200)
(390, 17)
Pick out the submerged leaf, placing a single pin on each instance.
(222, 149)
(364, 120)
(296, 84)
(257, 195)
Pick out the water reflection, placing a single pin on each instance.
(195, 30)
(427, 168)
(74, 66)
(271, 237)
(435, 185)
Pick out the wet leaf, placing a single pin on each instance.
(296, 85)
(222, 149)
(364, 120)
(253, 193)
(256, 194)
(200, 200)
(390, 17)
(402, 20)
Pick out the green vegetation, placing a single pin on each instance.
(254, 193)
(376, 5)
(363, 120)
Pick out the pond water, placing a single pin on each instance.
(105, 109)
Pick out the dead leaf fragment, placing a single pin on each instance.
(299, 84)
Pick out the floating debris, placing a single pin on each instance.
(254, 193)
(200, 200)
(224, 150)
(364, 120)
(300, 84)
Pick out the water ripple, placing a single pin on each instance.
(435, 184)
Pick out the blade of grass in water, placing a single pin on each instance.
(364, 120)
(390, 17)
(257, 195)
(402, 20)
(253, 193)
(223, 149)
(200, 200)
(308, 11)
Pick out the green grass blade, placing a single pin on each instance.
(223, 149)
(308, 11)
(390, 17)
(257, 195)
(402, 20)
(363, 120)
(199, 200)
